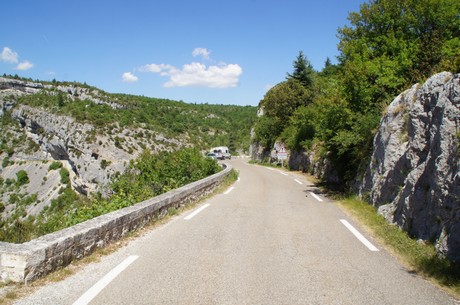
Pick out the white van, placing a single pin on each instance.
(221, 152)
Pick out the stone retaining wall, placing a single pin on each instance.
(31, 260)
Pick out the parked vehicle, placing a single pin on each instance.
(212, 156)
(221, 152)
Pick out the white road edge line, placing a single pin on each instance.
(238, 180)
(284, 174)
(91, 293)
(229, 190)
(358, 235)
(316, 196)
(298, 181)
(193, 214)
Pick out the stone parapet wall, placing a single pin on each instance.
(31, 260)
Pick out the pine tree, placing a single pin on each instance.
(303, 71)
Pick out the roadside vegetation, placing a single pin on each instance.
(334, 113)
(10, 291)
(419, 257)
(147, 176)
(388, 46)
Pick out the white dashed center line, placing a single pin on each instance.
(229, 190)
(194, 213)
(89, 295)
(316, 196)
(358, 235)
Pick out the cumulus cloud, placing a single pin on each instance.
(9, 56)
(25, 65)
(197, 74)
(201, 51)
(128, 77)
(154, 68)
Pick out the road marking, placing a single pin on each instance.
(269, 168)
(316, 196)
(283, 173)
(193, 214)
(89, 295)
(229, 190)
(298, 181)
(238, 180)
(358, 235)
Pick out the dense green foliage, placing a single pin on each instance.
(205, 125)
(147, 176)
(389, 45)
(22, 178)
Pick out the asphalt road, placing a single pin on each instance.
(269, 239)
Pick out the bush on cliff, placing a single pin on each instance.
(147, 176)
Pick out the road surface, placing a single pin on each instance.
(271, 238)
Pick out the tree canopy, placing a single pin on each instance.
(388, 46)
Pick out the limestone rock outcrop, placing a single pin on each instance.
(92, 155)
(413, 176)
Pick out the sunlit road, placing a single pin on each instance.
(269, 239)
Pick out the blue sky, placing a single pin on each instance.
(203, 51)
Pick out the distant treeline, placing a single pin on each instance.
(205, 125)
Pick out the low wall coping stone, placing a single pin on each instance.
(30, 260)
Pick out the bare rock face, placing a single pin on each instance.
(92, 155)
(413, 177)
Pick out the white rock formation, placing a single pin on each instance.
(413, 177)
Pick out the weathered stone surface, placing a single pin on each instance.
(413, 177)
(92, 155)
(308, 161)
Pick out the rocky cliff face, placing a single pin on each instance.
(413, 177)
(92, 155)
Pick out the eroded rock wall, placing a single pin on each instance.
(413, 176)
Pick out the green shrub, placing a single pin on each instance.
(22, 178)
(65, 179)
(55, 165)
(105, 163)
(146, 176)
(5, 162)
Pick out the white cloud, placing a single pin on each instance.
(128, 77)
(201, 51)
(25, 65)
(9, 55)
(197, 74)
(154, 68)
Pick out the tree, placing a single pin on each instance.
(393, 43)
(282, 100)
(303, 71)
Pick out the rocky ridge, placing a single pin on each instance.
(92, 155)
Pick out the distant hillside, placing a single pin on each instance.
(94, 135)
